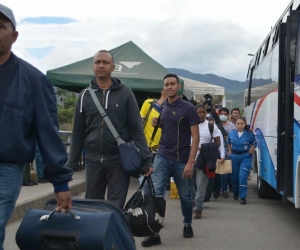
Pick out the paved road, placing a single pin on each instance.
(226, 225)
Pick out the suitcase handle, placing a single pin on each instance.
(70, 211)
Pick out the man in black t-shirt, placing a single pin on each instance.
(179, 122)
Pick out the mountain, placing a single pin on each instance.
(234, 89)
(231, 86)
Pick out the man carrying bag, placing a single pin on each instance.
(104, 167)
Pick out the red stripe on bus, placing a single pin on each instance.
(297, 99)
(258, 106)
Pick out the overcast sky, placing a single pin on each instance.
(202, 36)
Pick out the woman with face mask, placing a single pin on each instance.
(241, 144)
(223, 181)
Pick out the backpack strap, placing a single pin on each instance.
(154, 131)
(149, 111)
(211, 129)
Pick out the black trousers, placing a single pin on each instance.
(107, 175)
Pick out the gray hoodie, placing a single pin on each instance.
(91, 131)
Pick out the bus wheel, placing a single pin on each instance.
(262, 188)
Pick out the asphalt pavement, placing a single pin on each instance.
(225, 225)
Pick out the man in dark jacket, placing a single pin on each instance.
(103, 165)
(27, 113)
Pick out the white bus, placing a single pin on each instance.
(272, 108)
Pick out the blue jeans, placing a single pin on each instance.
(39, 163)
(225, 181)
(146, 188)
(161, 175)
(11, 179)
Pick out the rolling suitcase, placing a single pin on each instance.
(89, 225)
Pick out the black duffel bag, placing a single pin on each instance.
(145, 213)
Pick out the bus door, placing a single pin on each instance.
(287, 50)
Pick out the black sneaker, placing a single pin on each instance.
(40, 180)
(216, 194)
(151, 241)
(27, 183)
(235, 196)
(188, 231)
(243, 202)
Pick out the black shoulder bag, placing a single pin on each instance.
(131, 159)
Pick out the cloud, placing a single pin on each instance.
(218, 47)
(48, 20)
(200, 37)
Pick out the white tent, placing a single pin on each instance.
(202, 88)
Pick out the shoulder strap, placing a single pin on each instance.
(211, 130)
(149, 111)
(105, 117)
(154, 131)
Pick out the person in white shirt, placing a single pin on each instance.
(200, 178)
(210, 118)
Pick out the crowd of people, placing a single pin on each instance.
(175, 138)
(195, 183)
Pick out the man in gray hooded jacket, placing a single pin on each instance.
(103, 165)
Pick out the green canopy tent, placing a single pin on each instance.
(142, 74)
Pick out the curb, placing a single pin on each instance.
(39, 202)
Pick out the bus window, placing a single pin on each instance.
(248, 70)
(261, 79)
(274, 68)
(265, 50)
(275, 40)
(271, 41)
(285, 16)
(261, 54)
(248, 84)
(257, 57)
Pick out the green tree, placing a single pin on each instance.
(66, 107)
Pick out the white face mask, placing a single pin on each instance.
(223, 118)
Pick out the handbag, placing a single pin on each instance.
(132, 162)
(145, 213)
(225, 168)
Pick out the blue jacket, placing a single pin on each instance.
(29, 114)
(242, 143)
